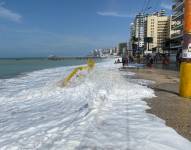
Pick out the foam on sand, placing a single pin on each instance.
(103, 111)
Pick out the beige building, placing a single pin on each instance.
(159, 28)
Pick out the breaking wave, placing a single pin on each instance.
(104, 110)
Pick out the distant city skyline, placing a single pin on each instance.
(36, 28)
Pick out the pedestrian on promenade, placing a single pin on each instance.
(178, 59)
(165, 61)
(150, 61)
(123, 61)
(126, 61)
(156, 58)
(131, 60)
(117, 61)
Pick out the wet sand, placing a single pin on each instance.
(167, 104)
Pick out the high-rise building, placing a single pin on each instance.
(122, 49)
(132, 36)
(157, 27)
(139, 30)
(132, 30)
(162, 12)
(177, 18)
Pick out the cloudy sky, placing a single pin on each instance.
(30, 28)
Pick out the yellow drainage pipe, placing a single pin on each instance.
(185, 69)
(185, 80)
(90, 66)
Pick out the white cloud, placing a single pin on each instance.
(166, 6)
(115, 14)
(8, 14)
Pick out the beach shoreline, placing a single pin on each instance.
(167, 105)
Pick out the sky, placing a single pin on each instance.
(38, 28)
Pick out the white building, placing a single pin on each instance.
(139, 30)
(178, 18)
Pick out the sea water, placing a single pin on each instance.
(18, 66)
(104, 110)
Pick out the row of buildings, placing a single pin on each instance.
(152, 33)
(158, 32)
(105, 52)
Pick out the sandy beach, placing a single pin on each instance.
(167, 105)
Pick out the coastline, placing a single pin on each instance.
(167, 105)
(15, 67)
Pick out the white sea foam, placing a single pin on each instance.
(102, 111)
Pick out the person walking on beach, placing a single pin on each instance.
(178, 59)
(165, 61)
(151, 61)
(124, 61)
(148, 60)
(155, 58)
(131, 60)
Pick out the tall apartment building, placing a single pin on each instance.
(177, 18)
(162, 12)
(139, 30)
(122, 49)
(132, 30)
(158, 27)
(132, 35)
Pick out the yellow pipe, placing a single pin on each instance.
(185, 80)
(185, 68)
(90, 66)
(73, 73)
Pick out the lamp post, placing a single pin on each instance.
(185, 69)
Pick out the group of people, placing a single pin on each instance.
(117, 61)
(125, 60)
(151, 59)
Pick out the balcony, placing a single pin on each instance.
(177, 35)
(178, 16)
(177, 27)
(176, 44)
(178, 6)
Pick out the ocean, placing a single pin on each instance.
(19, 66)
(104, 109)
